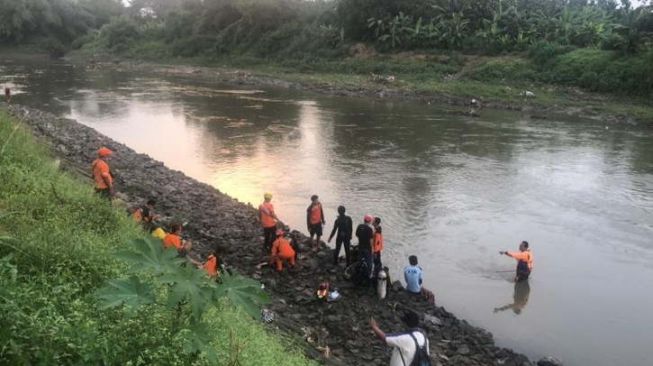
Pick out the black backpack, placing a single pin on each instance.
(421, 357)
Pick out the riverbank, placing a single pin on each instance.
(426, 78)
(58, 244)
(218, 221)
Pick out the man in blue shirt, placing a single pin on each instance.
(413, 276)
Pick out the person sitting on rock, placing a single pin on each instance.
(410, 347)
(413, 277)
(102, 174)
(211, 265)
(282, 251)
(315, 221)
(145, 215)
(173, 240)
(524, 259)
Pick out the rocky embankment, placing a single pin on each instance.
(333, 333)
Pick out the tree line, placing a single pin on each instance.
(310, 30)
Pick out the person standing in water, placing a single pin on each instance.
(524, 259)
(7, 95)
(344, 228)
(315, 220)
(268, 221)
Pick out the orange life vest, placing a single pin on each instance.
(267, 214)
(101, 174)
(282, 248)
(211, 266)
(316, 214)
(172, 241)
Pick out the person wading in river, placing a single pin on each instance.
(524, 259)
(344, 226)
(102, 174)
(8, 95)
(268, 221)
(315, 221)
(408, 348)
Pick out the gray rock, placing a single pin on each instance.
(549, 361)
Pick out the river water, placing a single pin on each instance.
(452, 189)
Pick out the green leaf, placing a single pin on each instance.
(242, 292)
(189, 285)
(149, 254)
(130, 292)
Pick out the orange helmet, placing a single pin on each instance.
(103, 151)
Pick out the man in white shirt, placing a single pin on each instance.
(403, 344)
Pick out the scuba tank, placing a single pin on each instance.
(381, 284)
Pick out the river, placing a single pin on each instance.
(452, 189)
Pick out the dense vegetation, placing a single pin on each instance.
(602, 45)
(66, 297)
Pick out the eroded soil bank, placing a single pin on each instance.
(216, 220)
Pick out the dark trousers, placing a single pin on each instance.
(377, 263)
(268, 237)
(104, 193)
(339, 243)
(366, 256)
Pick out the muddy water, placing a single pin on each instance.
(452, 189)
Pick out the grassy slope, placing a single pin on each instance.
(59, 253)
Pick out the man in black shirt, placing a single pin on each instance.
(365, 235)
(344, 227)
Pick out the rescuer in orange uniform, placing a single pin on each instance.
(211, 265)
(377, 244)
(315, 220)
(268, 221)
(102, 174)
(174, 240)
(524, 259)
(282, 251)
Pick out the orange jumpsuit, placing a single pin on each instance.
(282, 251)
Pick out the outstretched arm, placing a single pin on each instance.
(335, 228)
(375, 328)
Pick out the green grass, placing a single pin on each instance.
(56, 249)
(602, 82)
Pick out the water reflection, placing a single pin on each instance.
(519, 299)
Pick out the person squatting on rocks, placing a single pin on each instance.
(211, 265)
(343, 228)
(174, 240)
(377, 245)
(524, 259)
(408, 348)
(315, 221)
(145, 216)
(268, 221)
(282, 251)
(102, 174)
(365, 235)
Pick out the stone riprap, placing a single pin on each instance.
(335, 333)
